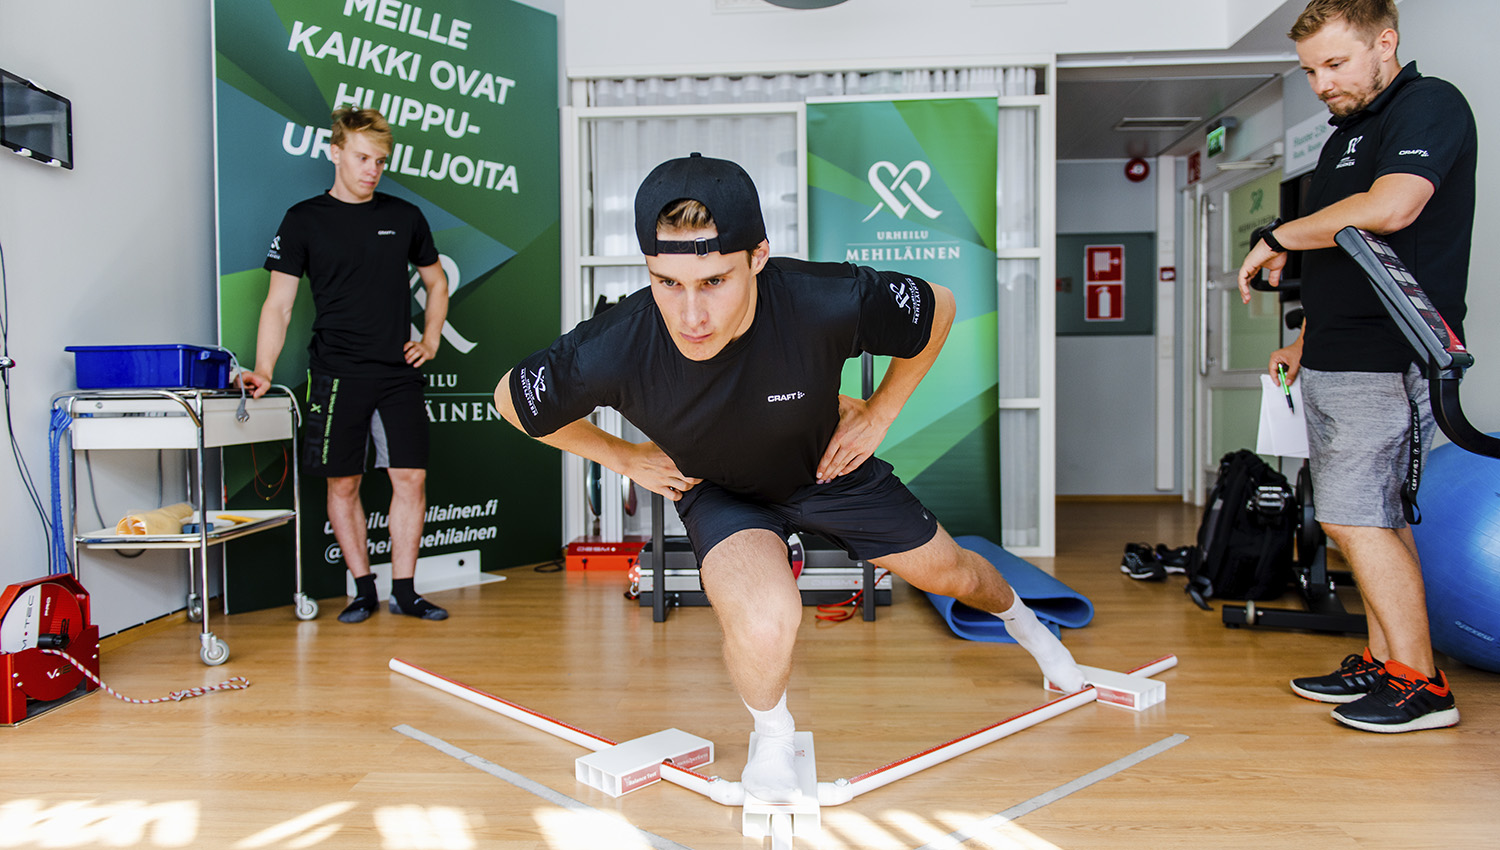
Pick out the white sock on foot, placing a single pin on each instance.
(1055, 660)
(769, 775)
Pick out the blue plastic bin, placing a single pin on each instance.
(135, 366)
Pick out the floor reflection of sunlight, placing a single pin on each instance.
(566, 829)
(301, 831)
(88, 823)
(423, 828)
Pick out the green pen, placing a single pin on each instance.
(1286, 390)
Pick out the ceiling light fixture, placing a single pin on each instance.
(1155, 124)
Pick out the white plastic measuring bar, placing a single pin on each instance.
(843, 790)
(505, 707)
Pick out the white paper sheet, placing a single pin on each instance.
(1283, 431)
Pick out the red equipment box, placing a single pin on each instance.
(589, 553)
(51, 612)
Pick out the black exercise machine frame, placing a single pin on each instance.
(1443, 359)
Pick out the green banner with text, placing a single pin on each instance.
(910, 186)
(470, 88)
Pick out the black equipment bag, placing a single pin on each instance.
(1245, 539)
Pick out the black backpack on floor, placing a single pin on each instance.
(1244, 546)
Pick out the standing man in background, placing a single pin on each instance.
(365, 381)
(1400, 163)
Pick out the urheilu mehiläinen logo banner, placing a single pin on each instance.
(886, 180)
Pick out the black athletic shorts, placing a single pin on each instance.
(868, 513)
(345, 417)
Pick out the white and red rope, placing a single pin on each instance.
(236, 683)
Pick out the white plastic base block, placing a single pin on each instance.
(636, 763)
(1125, 690)
(761, 820)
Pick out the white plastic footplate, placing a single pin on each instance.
(759, 817)
(636, 763)
(1136, 693)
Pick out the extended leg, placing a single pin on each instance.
(942, 566)
(750, 585)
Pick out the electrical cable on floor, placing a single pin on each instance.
(6, 363)
(234, 683)
(838, 612)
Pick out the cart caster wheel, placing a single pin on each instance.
(1250, 613)
(214, 651)
(307, 607)
(195, 609)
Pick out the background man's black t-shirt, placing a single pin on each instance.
(755, 418)
(355, 257)
(1418, 125)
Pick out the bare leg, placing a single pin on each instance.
(408, 506)
(750, 585)
(942, 566)
(347, 516)
(1385, 565)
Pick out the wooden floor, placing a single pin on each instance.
(308, 755)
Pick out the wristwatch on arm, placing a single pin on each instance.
(1264, 234)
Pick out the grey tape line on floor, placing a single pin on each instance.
(530, 786)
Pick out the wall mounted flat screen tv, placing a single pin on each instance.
(35, 122)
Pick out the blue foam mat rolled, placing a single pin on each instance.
(1055, 603)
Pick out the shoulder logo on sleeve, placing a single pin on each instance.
(533, 386)
(275, 252)
(1415, 152)
(908, 297)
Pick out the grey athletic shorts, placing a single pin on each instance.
(1359, 442)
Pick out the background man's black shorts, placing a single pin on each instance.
(868, 512)
(346, 416)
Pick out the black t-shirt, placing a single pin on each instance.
(755, 418)
(356, 256)
(1418, 125)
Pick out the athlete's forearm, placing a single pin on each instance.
(904, 374)
(582, 438)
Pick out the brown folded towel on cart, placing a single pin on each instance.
(165, 520)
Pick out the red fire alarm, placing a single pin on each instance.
(1137, 170)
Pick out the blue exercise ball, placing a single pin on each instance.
(1458, 540)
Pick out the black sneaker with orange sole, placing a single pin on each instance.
(1405, 701)
(1357, 677)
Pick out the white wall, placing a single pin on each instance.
(118, 250)
(654, 34)
(1106, 414)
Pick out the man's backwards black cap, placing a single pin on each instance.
(718, 184)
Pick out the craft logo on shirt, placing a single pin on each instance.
(908, 297)
(900, 179)
(1348, 159)
(385, 233)
(785, 397)
(533, 386)
(275, 252)
(1415, 152)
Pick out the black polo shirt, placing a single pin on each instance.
(356, 259)
(755, 418)
(1418, 125)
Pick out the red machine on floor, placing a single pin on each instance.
(44, 613)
